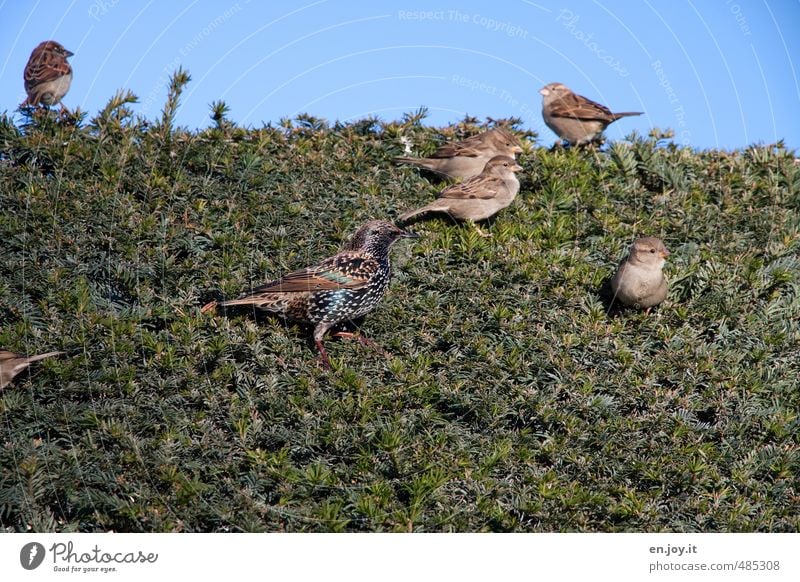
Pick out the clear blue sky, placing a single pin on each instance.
(721, 73)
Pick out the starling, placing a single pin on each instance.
(12, 364)
(467, 158)
(574, 118)
(339, 289)
(476, 198)
(639, 281)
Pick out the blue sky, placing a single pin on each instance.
(721, 73)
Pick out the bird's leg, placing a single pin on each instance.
(323, 355)
(480, 232)
(363, 340)
(64, 113)
(319, 333)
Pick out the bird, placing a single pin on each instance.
(12, 364)
(574, 118)
(476, 198)
(467, 158)
(48, 75)
(639, 281)
(341, 288)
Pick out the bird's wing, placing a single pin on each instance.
(480, 186)
(470, 148)
(575, 106)
(344, 271)
(42, 68)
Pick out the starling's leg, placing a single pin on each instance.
(323, 355)
(208, 307)
(363, 340)
(319, 333)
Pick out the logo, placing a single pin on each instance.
(31, 555)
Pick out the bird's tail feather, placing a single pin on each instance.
(421, 162)
(626, 114)
(38, 357)
(407, 216)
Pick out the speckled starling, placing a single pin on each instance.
(339, 289)
(639, 281)
(476, 198)
(12, 364)
(467, 158)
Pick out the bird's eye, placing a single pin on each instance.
(652, 250)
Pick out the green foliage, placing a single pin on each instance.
(512, 401)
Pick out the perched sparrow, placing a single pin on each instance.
(639, 281)
(479, 197)
(575, 118)
(12, 364)
(339, 289)
(467, 158)
(48, 75)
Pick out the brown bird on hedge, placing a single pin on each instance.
(476, 198)
(574, 118)
(12, 364)
(48, 75)
(467, 158)
(339, 289)
(639, 280)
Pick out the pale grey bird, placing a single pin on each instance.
(573, 117)
(12, 364)
(476, 198)
(639, 280)
(467, 158)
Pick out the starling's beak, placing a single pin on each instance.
(68, 54)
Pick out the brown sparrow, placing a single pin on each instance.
(479, 197)
(12, 364)
(573, 117)
(639, 280)
(467, 158)
(48, 75)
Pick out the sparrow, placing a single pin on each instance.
(639, 281)
(12, 364)
(575, 118)
(339, 289)
(47, 75)
(476, 198)
(467, 158)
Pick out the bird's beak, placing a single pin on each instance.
(516, 149)
(516, 168)
(68, 53)
(664, 254)
(544, 92)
